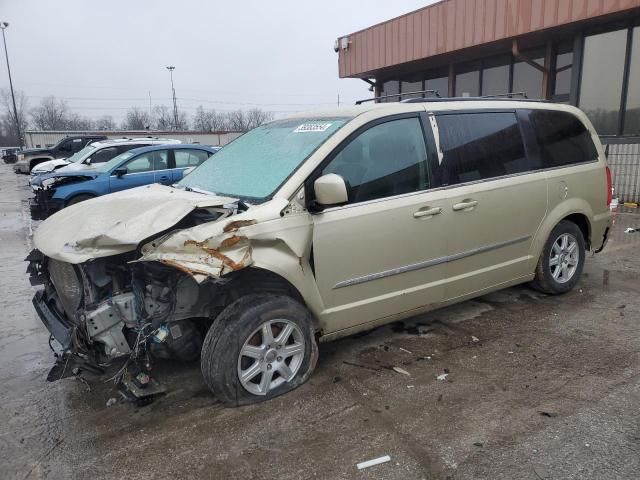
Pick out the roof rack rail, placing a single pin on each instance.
(507, 95)
(399, 96)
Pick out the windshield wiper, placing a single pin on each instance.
(199, 190)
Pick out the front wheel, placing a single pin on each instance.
(562, 260)
(259, 347)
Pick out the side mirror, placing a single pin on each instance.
(330, 189)
(88, 161)
(187, 171)
(119, 172)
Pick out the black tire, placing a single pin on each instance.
(544, 280)
(79, 198)
(220, 355)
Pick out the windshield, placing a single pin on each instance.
(106, 166)
(81, 155)
(254, 165)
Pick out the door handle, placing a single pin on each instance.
(464, 205)
(427, 212)
(164, 178)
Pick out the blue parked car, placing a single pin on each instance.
(164, 164)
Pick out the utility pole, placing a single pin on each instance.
(3, 26)
(171, 68)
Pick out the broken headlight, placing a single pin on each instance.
(66, 280)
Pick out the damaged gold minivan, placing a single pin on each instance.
(318, 226)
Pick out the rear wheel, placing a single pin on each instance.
(259, 347)
(79, 198)
(562, 260)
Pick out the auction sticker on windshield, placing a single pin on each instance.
(313, 127)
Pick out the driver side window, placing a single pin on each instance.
(386, 160)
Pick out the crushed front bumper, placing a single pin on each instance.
(59, 327)
(41, 206)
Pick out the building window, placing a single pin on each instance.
(468, 81)
(411, 87)
(601, 84)
(495, 76)
(564, 69)
(632, 115)
(390, 88)
(526, 78)
(440, 84)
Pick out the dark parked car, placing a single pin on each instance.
(29, 158)
(10, 155)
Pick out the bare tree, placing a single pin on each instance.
(256, 117)
(209, 120)
(76, 122)
(162, 118)
(8, 131)
(105, 123)
(236, 120)
(51, 114)
(136, 119)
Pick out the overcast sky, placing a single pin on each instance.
(105, 56)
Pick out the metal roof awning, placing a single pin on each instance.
(455, 25)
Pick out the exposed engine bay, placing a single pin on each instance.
(115, 307)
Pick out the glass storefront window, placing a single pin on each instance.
(411, 87)
(601, 84)
(468, 81)
(526, 78)
(564, 63)
(440, 84)
(389, 88)
(632, 115)
(495, 76)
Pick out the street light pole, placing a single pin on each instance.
(3, 26)
(171, 68)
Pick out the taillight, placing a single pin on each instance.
(609, 186)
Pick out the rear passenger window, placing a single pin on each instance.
(562, 138)
(478, 146)
(386, 160)
(190, 158)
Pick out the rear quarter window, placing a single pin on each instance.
(562, 139)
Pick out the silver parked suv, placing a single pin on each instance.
(320, 226)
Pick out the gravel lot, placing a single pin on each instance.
(550, 389)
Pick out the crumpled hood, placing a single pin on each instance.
(117, 223)
(57, 174)
(48, 166)
(74, 167)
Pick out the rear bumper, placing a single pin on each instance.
(58, 326)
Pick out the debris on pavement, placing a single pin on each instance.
(475, 339)
(375, 461)
(631, 230)
(405, 350)
(401, 370)
(548, 414)
(478, 444)
(442, 376)
(111, 401)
